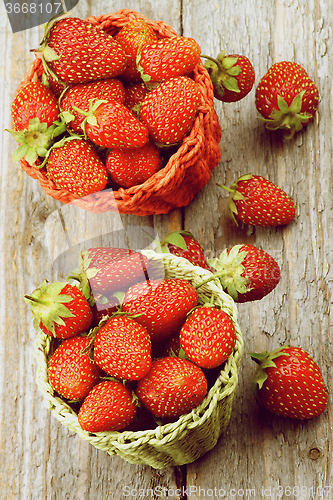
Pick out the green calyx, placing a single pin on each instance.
(83, 274)
(175, 238)
(288, 117)
(235, 195)
(89, 115)
(47, 305)
(265, 360)
(222, 71)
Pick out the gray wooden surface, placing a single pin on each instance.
(260, 455)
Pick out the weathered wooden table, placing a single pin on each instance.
(260, 455)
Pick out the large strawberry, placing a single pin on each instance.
(168, 58)
(169, 110)
(286, 97)
(59, 309)
(183, 244)
(75, 51)
(35, 121)
(246, 272)
(80, 96)
(258, 201)
(289, 383)
(162, 305)
(129, 167)
(71, 371)
(173, 387)
(108, 407)
(74, 165)
(208, 336)
(122, 348)
(232, 76)
(133, 37)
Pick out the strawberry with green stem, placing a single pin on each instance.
(183, 244)
(289, 383)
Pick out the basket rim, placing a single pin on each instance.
(224, 385)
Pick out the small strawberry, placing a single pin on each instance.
(111, 124)
(35, 120)
(81, 94)
(130, 167)
(135, 94)
(183, 244)
(75, 51)
(168, 58)
(173, 387)
(232, 76)
(73, 164)
(135, 35)
(289, 383)
(258, 201)
(108, 407)
(162, 305)
(104, 306)
(286, 97)
(246, 272)
(208, 336)
(59, 309)
(169, 110)
(70, 370)
(122, 348)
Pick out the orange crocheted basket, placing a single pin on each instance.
(187, 170)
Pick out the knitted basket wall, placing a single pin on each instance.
(193, 434)
(188, 169)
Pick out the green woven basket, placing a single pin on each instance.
(193, 434)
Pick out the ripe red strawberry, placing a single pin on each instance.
(173, 387)
(80, 96)
(135, 94)
(35, 114)
(75, 51)
(108, 407)
(289, 383)
(168, 58)
(208, 337)
(232, 76)
(71, 372)
(122, 348)
(59, 309)
(73, 164)
(111, 124)
(162, 304)
(130, 167)
(134, 36)
(169, 110)
(258, 201)
(286, 97)
(183, 244)
(246, 272)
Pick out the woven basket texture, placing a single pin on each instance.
(188, 169)
(192, 435)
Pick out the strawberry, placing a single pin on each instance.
(258, 201)
(75, 51)
(104, 306)
(289, 383)
(173, 387)
(108, 407)
(286, 97)
(136, 34)
(111, 124)
(35, 120)
(232, 76)
(73, 164)
(168, 58)
(71, 372)
(208, 336)
(130, 167)
(162, 305)
(135, 94)
(246, 272)
(169, 110)
(59, 309)
(183, 244)
(81, 94)
(122, 348)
